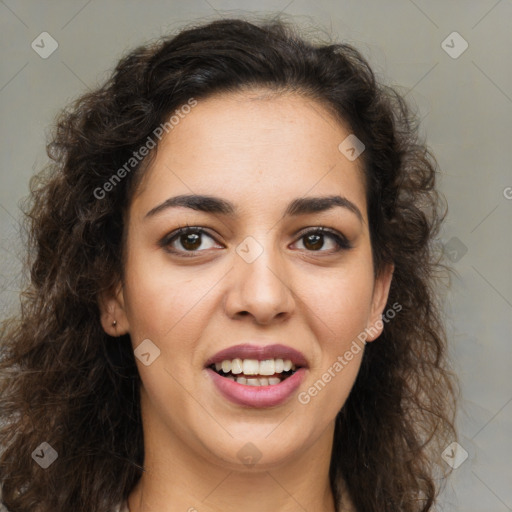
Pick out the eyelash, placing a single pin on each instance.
(340, 240)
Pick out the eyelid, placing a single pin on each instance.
(340, 239)
(165, 242)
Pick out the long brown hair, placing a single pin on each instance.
(65, 382)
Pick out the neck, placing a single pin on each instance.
(178, 478)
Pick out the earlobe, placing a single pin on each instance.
(380, 298)
(112, 312)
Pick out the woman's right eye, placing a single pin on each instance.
(190, 239)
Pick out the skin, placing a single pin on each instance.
(259, 151)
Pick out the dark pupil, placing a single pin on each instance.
(315, 244)
(193, 238)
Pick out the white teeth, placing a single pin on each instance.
(251, 366)
(271, 381)
(236, 366)
(267, 367)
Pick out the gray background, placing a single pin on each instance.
(466, 107)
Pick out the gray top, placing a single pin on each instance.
(123, 507)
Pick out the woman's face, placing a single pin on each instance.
(254, 284)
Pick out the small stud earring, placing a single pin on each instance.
(114, 323)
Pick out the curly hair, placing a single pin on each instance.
(64, 380)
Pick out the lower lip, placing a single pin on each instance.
(258, 396)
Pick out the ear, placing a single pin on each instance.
(112, 311)
(379, 300)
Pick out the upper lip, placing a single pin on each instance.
(259, 352)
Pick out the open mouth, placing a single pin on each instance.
(252, 372)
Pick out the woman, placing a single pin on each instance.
(232, 302)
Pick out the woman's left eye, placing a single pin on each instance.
(314, 238)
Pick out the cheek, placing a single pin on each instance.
(339, 313)
(160, 301)
(340, 304)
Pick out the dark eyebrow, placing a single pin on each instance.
(201, 203)
(305, 205)
(299, 206)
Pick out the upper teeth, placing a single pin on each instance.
(255, 367)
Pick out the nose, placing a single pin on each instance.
(260, 289)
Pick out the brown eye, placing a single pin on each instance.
(186, 240)
(314, 240)
(190, 241)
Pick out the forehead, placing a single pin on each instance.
(256, 147)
